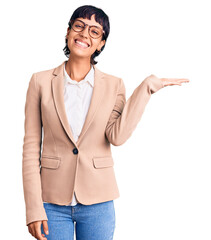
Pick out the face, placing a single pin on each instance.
(92, 44)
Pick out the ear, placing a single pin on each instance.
(68, 31)
(101, 44)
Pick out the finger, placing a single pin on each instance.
(40, 237)
(180, 80)
(30, 230)
(45, 227)
(43, 235)
(168, 83)
(183, 80)
(175, 79)
(176, 84)
(38, 233)
(173, 82)
(33, 232)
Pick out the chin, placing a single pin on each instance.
(80, 52)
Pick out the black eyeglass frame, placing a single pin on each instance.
(84, 26)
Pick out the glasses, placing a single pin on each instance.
(94, 31)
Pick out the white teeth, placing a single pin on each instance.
(82, 44)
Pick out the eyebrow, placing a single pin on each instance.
(88, 24)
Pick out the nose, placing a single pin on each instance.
(85, 31)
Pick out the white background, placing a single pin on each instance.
(163, 170)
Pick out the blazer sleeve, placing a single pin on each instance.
(31, 155)
(126, 114)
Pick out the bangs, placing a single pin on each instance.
(87, 12)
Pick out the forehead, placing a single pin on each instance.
(90, 21)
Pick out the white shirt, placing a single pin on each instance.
(77, 98)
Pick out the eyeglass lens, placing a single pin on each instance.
(94, 31)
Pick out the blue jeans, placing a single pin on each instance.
(92, 222)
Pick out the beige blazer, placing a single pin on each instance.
(54, 165)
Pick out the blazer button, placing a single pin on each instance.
(75, 151)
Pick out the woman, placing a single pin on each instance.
(81, 111)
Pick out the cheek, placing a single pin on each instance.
(95, 44)
(71, 38)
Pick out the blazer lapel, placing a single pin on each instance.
(58, 95)
(95, 101)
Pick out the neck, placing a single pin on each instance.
(77, 69)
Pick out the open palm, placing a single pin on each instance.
(174, 81)
(171, 81)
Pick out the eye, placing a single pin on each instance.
(79, 26)
(95, 31)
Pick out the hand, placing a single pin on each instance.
(171, 81)
(35, 229)
(174, 81)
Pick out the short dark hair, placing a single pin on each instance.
(87, 11)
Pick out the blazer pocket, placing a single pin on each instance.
(103, 162)
(50, 162)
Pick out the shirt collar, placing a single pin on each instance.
(88, 78)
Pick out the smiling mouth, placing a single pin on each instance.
(81, 44)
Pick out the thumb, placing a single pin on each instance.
(45, 227)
